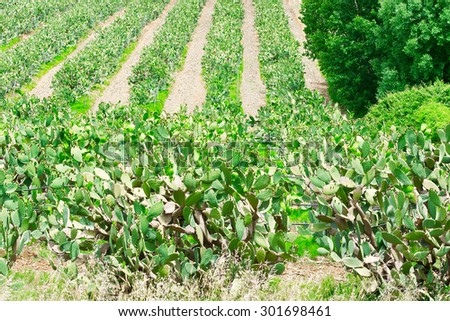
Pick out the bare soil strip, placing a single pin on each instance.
(253, 90)
(305, 269)
(119, 90)
(43, 88)
(189, 88)
(314, 79)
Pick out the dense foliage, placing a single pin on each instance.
(415, 107)
(384, 203)
(367, 49)
(420, 32)
(113, 184)
(164, 195)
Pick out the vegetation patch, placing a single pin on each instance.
(21, 63)
(131, 203)
(223, 61)
(99, 60)
(371, 48)
(153, 73)
(417, 106)
(22, 17)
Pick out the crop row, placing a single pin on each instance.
(280, 58)
(282, 72)
(172, 194)
(20, 17)
(223, 56)
(152, 76)
(19, 64)
(101, 57)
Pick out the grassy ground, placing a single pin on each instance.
(40, 275)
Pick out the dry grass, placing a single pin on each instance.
(231, 280)
(227, 280)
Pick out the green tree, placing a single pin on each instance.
(369, 48)
(413, 41)
(339, 36)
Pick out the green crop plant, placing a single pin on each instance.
(167, 195)
(155, 213)
(99, 60)
(152, 76)
(280, 58)
(223, 57)
(24, 16)
(21, 63)
(387, 211)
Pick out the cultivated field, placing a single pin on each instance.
(178, 149)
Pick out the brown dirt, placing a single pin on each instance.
(253, 90)
(29, 259)
(119, 90)
(43, 88)
(307, 270)
(189, 88)
(314, 79)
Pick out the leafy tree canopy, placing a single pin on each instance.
(370, 48)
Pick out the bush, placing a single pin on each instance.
(434, 115)
(412, 107)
